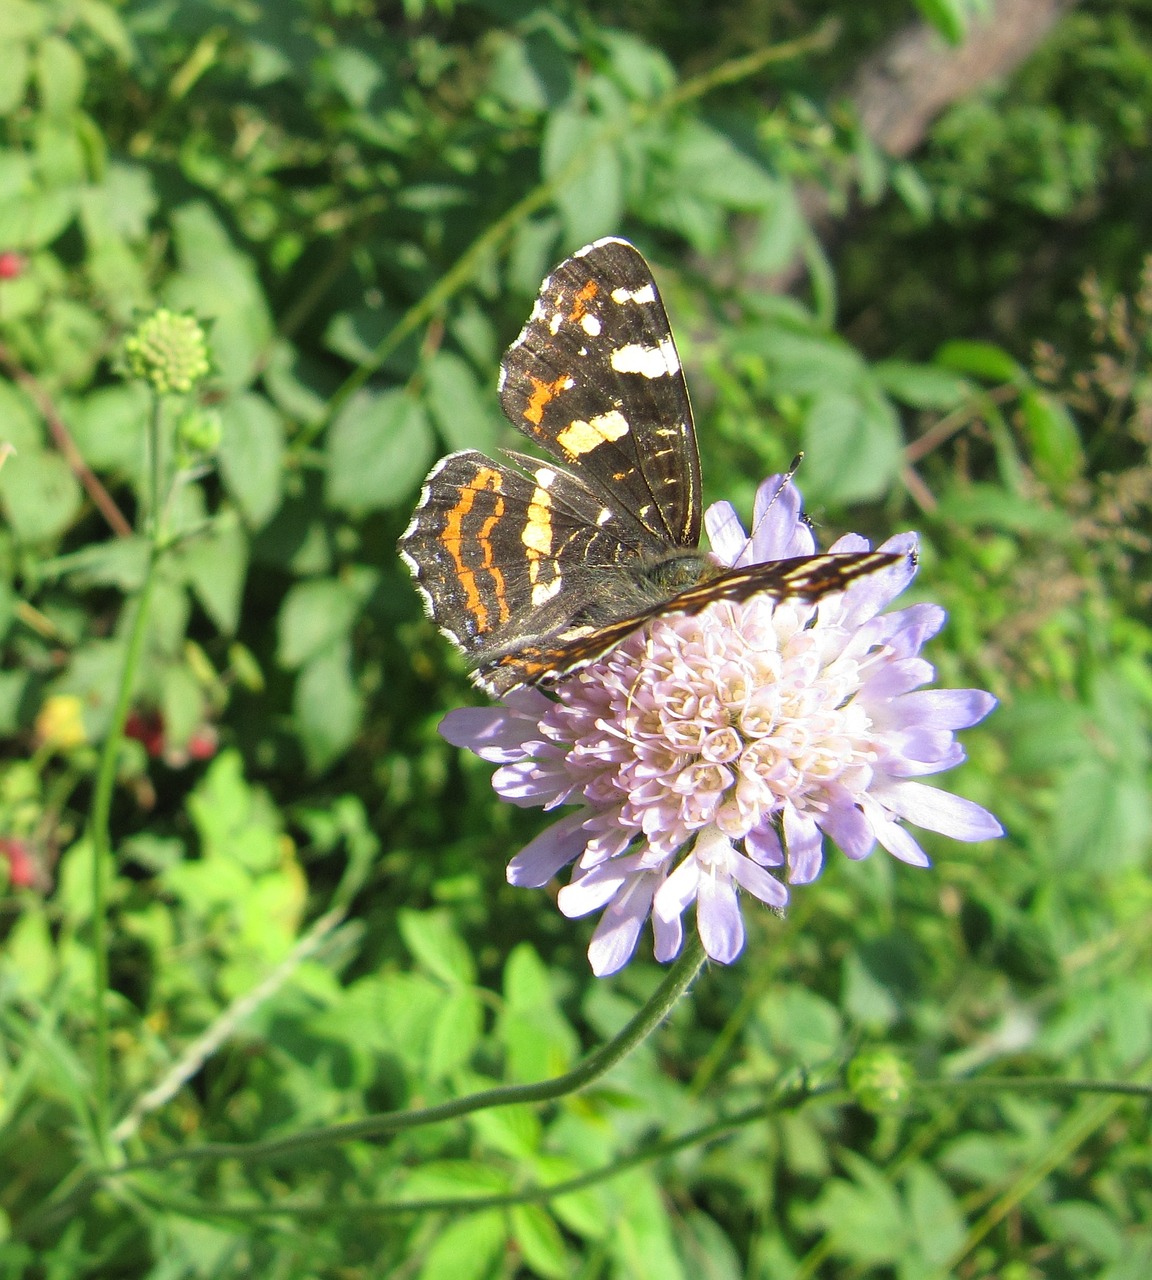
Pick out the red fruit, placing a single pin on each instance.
(22, 872)
(12, 265)
(146, 727)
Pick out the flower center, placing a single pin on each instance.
(717, 719)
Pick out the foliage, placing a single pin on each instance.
(306, 917)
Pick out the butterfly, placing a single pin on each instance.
(536, 569)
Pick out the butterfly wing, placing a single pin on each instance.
(802, 577)
(502, 555)
(594, 379)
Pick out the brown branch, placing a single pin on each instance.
(103, 500)
(898, 91)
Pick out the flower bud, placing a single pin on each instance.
(168, 349)
(880, 1079)
(200, 430)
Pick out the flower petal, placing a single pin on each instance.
(941, 811)
(899, 843)
(844, 821)
(726, 534)
(718, 917)
(758, 882)
(552, 849)
(805, 846)
(942, 708)
(616, 935)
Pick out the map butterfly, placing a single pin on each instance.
(535, 570)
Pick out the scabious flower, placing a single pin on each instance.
(712, 754)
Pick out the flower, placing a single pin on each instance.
(710, 754)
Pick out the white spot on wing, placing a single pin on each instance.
(650, 362)
(542, 592)
(555, 323)
(590, 324)
(646, 293)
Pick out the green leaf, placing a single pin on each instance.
(538, 1040)
(575, 161)
(456, 1032)
(803, 1025)
(437, 947)
(802, 362)
(19, 425)
(1106, 818)
(40, 494)
(642, 1245)
(864, 1218)
(706, 1242)
(852, 446)
(182, 705)
(314, 615)
(949, 17)
(15, 78)
(108, 426)
(922, 386)
(59, 76)
(1056, 450)
(215, 566)
(982, 360)
(466, 1249)
(988, 504)
(7, 607)
(108, 27)
(121, 562)
(378, 451)
(1082, 1223)
(13, 689)
(937, 1224)
(353, 72)
(539, 1240)
(512, 1131)
(251, 456)
(35, 218)
(219, 283)
(22, 18)
(459, 406)
(328, 706)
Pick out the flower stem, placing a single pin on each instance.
(99, 821)
(649, 1017)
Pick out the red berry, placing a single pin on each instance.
(21, 864)
(12, 265)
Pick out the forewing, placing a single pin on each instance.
(594, 378)
(803, 578)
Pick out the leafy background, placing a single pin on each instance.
(362, 199)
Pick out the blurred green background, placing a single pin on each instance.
(361, 200)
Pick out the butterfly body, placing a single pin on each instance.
(535, 569)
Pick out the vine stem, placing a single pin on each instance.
(101, 812)
(658, 1006)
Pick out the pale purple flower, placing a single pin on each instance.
(712, 754)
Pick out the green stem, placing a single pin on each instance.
(660, 1149)
(100, 819)
(653, 1013)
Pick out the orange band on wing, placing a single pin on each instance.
(487, 481)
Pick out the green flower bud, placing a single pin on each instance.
(200, 430)
(880, 1079)
(167, 349)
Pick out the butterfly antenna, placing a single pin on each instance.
(785, 481)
